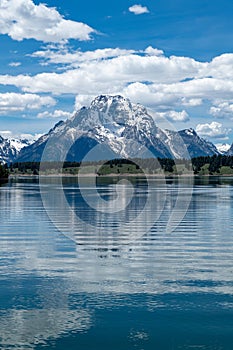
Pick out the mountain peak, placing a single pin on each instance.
(110, 103)
(122, 128)
(111, 112)
(102, 100)
(113, 107)
(189, 131)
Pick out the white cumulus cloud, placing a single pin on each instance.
(108, 75)
(55, 114)
(61, 55)
(83, 100)
(164, 83)
(138, 9)
(22, 19)
(175, 116)
(214, 129)
(15, 64)
(222, 109)
(151, 51)
(15, 102)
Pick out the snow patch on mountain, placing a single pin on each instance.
(10, 148)
(223, 147)
(230, 151)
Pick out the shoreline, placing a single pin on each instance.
(15, 176)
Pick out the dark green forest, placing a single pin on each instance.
(206, 165)
(4, 173)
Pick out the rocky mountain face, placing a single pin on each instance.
(187, 142)
(10, 148)
(230, 151)
(120, 129)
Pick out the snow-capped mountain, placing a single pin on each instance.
(187, 142)
(223, 148)
(10, 148)
(230, 151)
(120, 129)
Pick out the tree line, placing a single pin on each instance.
(215, 163)
(212, 164)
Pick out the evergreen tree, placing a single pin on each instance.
(3, 172)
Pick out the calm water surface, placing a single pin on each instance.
(160, 291)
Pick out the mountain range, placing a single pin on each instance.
(118, 127)
(10, 148)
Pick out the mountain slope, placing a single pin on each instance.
(230, 151)
(10, 149)
(120, 129)
(196, 145)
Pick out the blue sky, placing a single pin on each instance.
(175, 57)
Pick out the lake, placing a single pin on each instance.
(135, 265)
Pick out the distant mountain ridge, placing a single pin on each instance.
(120, 129)
(230, 151)
(10, 148)
(223, 148)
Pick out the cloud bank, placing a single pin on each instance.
(15, 102)
(214, 129)
(154, 80)
(22, 19)
(170, 85)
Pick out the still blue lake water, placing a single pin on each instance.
(77, 272)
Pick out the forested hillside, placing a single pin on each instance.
(215, 165)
